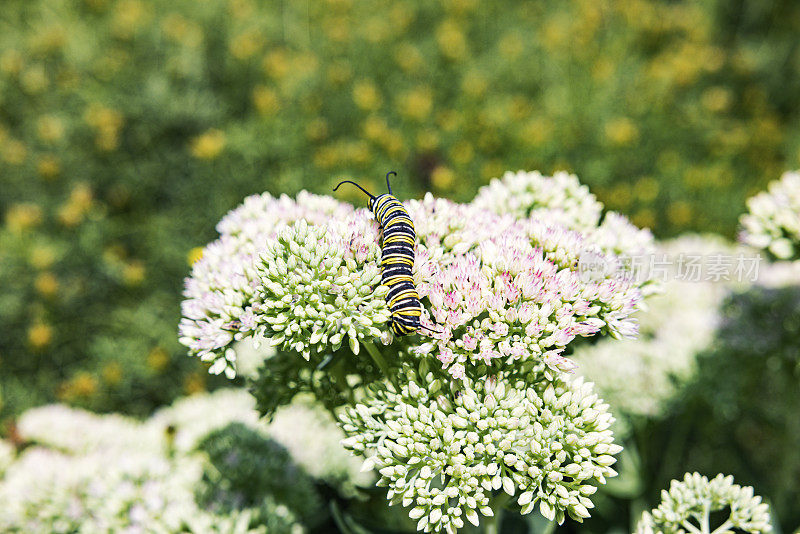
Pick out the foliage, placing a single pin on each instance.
(246, 469)
(126, 126)
(738, 414)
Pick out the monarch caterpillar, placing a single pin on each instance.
(397, 259)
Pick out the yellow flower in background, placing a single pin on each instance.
(276, 64)
(181, 30)
(48, 167)
(72, 212)
(537, 131)
(428, 140)
(401, 15)
(81, 196)
(679, 213)
(717, 99)
(326, 157)
(46, 284)
(460, 7)
(603, 69)
(42, 256)
(394, 143)
(40, 335)
(339, 72)
(449, 120)
(646, 189)
(81, 386)
(492, 169)
(246, 45)
(14, 152)
(357, 152)
(337, 29)
(175, 26)
(23, 216)
(11, 62)
(112, 373)
(47, 39)
(194, 255)
(644, 218)
(366, 95)
(241, 9)
(208, 145)
(376, 29)
(157, 359)
(462, 152)
(129, 16)
(409, 57)
(620, 196)
(416, 104)
(375, 128)
(133, 272)
(451, 39)
(474, 83)
(107, 122)
(266, 100)
(621, 131)
(34, 79)
(195, 383)
(442, 177)
(317, 129)
(49, 128)
(69, 215)
(511, 46)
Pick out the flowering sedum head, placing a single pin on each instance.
(218, 308)
(473, 409)
(561, 198)
(773, 221)
(689, 503)
(317, 289)
(444, 448)
(501, 288)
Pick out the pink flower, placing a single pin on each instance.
(556, 362)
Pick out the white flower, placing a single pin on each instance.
(773, 221)
(690, 503)
(443, 448)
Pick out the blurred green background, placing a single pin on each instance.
(129, 127)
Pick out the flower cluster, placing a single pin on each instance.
(509, 290)
(484, 406)
(773, 222)
(563, 200)
(223, 283)
(498, 288)
(111, 473)
(690, 503)
(444, 447)
(560, 198)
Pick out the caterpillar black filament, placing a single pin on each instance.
(397, 259)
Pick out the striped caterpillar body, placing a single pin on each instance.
(397, 259)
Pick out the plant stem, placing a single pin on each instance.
(704, 524)
(377, 357)
(491, 525)
(724, 527)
